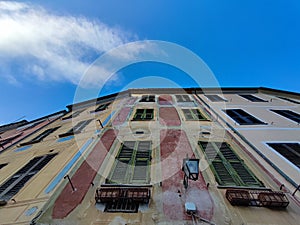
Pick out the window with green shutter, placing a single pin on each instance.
(193, 114)
(229, 169)
(132, 164)
(143, 114)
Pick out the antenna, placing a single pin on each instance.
(19, 119)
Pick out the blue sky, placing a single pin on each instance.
(45, 47)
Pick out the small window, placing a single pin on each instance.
(148, 98)
(253, 98)
(242, 117)
(77, 128)
(288, 114)
(3, 165)
(143, 115)
(183, 98)
(193, 114)
(40, 137)
(289, 100)
(13, 185)
(291, 151)
(75, 114)
(215, 98)
(227, 166)
(101, 108)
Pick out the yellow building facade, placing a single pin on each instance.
(126, 158)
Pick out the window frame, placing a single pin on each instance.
(125, 168)
(19, 179)
(295, 155)
(77, 128)
(73, 115)
(289, 100)
(101, 107)
(180, 98)
(215, 98)
(286, 114)
(41, 136)
(147, 98)
(145, 114)
(243, 119)
(195, 116)
(2, 165)
(232, 165)
(252, 98)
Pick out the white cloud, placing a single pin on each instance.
(51, 47)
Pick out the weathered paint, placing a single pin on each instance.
(65, 170)
(165, 100)
(121, 117)
(174, 148)
(84, 176)
(168, 116)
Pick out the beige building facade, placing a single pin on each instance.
(119, 159)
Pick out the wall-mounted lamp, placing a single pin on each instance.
(190, 168)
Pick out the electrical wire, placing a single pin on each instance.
(202, 219)
(194, 215)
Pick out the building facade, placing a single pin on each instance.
(122, 159)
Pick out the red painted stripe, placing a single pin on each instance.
(69, 200)
(131, 101)
(174, 147)
(168, 116)
(165, 100)
(121, 116)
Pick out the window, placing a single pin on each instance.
(101, 108)
(291, 151)
(124, 205)
(183, 98)
(289, 100)
(132, 164)
(253, 98)
(288, 114)
(13, 185)
(215, 98)
(193, 114)
(77, 128)
(242, 117)
(33, 125)
(143, 114)
(75, 114)
(9, 139)
(148, 98)
(40, 137)
(3, 165)
(227, 167)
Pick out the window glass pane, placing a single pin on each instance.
(288, 114)
(132, 164)
(13, 185)
(242, 117)
(253, 98)
(291, 151)
(183, 98)
(215, 98)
